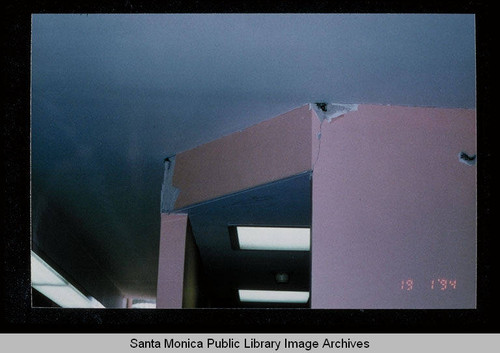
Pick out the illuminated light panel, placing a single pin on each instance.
(141, 303)
(144, 306)
(43, 274)
(51, 284)
(274, 238)
(65, 296)
(273, 296)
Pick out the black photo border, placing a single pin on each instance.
(17, 316)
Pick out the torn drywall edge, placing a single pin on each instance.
(330, 111)
(169, 192)
(467, 159)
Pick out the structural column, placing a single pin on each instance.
(394, 209)
(171, 261)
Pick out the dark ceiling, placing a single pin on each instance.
(113, 95)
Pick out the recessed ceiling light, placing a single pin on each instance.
(273, 296)
(273, 238)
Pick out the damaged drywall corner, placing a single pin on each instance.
(466, 158)
(169, 192)
(330, 111)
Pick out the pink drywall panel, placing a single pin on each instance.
(262, 153)
(394, 209)
(171, 261)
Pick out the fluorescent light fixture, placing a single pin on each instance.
(273, 296)
(144, 306)
(274, 238)
(51, 284)
(64, 296)
(141, 303)
(43, 274)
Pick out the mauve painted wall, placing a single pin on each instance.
(171, 261)
(272, 150)
(392, 202)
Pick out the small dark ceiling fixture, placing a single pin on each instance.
(282, 277)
